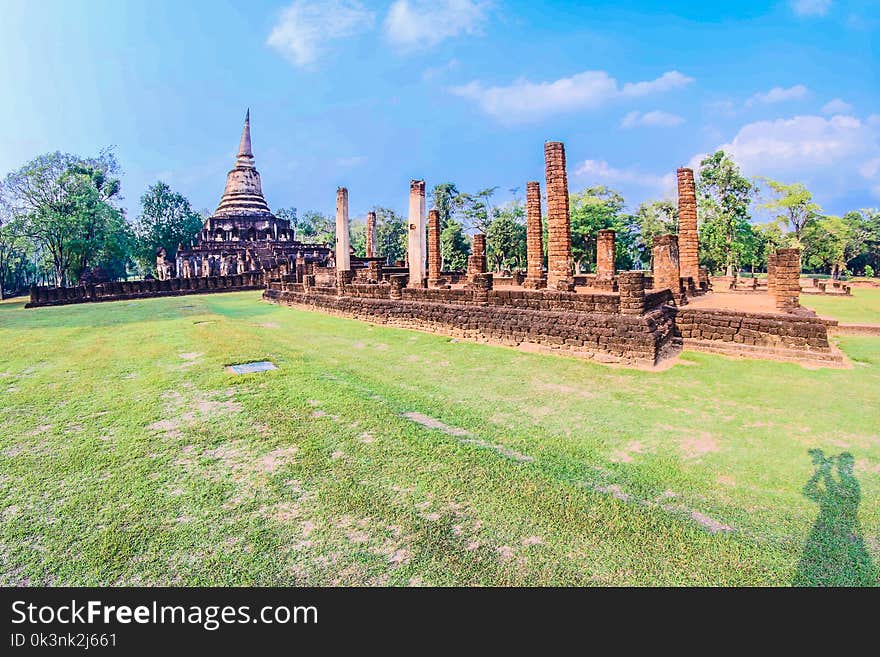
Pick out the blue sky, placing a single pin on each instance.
(371, 94)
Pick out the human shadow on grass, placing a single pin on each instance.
(834, 553)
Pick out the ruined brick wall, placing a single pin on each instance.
(771, 271)
(535, 278)
(609, 336)
(371, 235)
(434, 258)
(667, 272)
(753, 332)
(605, 254)
(477, 259)
(127, 290)
(559, 260)
(787, 279)
(688, 241)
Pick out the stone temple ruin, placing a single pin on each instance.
(611, 315)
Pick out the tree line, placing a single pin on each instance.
(61, 224)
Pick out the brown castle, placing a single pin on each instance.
(242, 235)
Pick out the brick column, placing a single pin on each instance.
(535, 277)
(300, 267)
(787, 280)
(667, 268)
(559, 260)
(397, 281)
(771, 271)
(434, 258)
(632, 292)
(481, 285)
(371, 235)
(605, 254)
(688, 239)
(416, 240)
(477, 259)
(343, 240)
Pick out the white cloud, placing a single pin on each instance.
(653, 119)
(524, 100)
(600, 170)
(836, 106)
(832, 156)
(779, 95)
(416, 24)
(810, 7)
(304, 28)
(666, 82)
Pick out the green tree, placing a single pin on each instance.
(592, 210)
(454, 247)
(476, 210)
(289, 214)
(651, 219)
(316, 228)
(724, 198)
(445, 202)
(391, 235)
(506, 237)
(67, 207)
(794, 205)
(166, 220)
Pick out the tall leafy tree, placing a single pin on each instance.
(476, 210)
(67, 204)
(454, 247)
(724, 196)
(316, 228)
(592, 210)
(651, 219)
(166, 219)
(793, 204)
(391, 235)
(506, 237)
(445, 197)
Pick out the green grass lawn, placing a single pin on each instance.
(862, 308)
(129, 455)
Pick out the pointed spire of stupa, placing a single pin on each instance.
(245, 154)
(243, 194)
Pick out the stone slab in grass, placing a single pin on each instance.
(251, 368)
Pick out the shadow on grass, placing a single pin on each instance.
(834, 553)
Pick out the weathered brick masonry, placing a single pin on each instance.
(797, 336)
(127, 290)
(476, 263)
(434, 258)
(605, 255)
(535, 277)
(589, 325)
(559, 260)
(371, 235)
(787, 279)
(688, 241)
